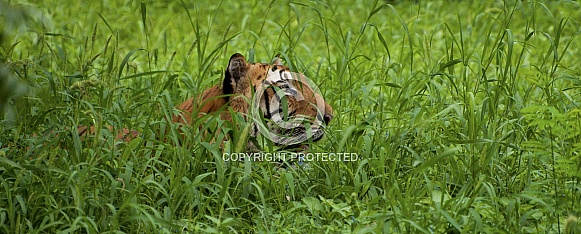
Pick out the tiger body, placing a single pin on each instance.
(211, 100)
(241, 81)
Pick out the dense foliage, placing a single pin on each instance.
(465, 115)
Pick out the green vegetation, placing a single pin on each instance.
(465, 115)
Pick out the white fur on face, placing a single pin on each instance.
(298, 128)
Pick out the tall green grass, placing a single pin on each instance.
(465, 115)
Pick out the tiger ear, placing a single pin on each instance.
(236, 69)
(237, 66)
(277, 60)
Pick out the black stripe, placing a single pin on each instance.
(267, 104)
(275, 112)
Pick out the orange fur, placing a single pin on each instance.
(210, 101)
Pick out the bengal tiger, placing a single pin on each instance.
(242, 78)
(241, 81)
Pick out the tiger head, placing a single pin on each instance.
(293, 106)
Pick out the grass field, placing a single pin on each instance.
(465, 115)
